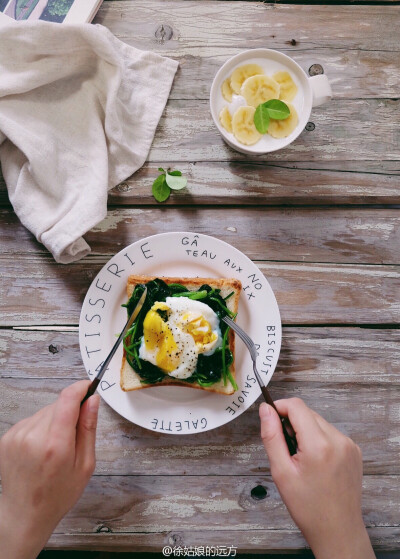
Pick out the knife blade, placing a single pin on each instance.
(96, 381)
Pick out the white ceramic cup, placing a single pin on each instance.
(312, 92)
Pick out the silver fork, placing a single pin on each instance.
(287, 428)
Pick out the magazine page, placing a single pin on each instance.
(82, 9)
(71, 11)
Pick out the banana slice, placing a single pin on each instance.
(227, 90)
(243, 126)
(226, 119)
(259, 89)
(240, 74)
(282, 128)
(288, 87)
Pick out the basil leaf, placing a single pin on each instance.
(175, 173)
(278, 110)
(161, 190)
(176, 182)
(261, 118)
(161, 170)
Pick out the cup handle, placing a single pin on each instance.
(321, 89)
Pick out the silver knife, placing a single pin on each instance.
(96, 381)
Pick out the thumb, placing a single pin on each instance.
(273, 437)
(86, 434)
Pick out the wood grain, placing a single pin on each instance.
(327, 266)
(284, 183)
(156, 505)
(337, 355)
(251, 541)
(369, 416)
(368, 236)
(306, 293)
(343, 131)
(252, 25)
(247, 183)
(360, 61)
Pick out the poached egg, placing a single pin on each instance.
(176, 332)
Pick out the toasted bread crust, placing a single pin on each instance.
(226, 286)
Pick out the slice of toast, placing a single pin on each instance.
(130, 380)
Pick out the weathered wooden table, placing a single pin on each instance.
(320, 220)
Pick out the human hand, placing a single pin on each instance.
(321, 484)
(45, 463)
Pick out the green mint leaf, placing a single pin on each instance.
(175, 173)
(175, 182)
(161, 190)
(161, 170)
(261, 118)
(278, 110)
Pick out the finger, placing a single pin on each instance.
(302, 419)
(66, 412)
(86, 434)
(273, 438)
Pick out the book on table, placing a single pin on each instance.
(59, 11)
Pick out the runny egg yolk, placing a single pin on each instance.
(199, 328)
(176, 332)
(157, 334)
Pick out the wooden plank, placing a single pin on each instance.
(343, 132)
(253, 25)
(246, 183)
(153, 504)
(339, 2)
(300, 235)
(354, 68)
(126, 449)
(187, 131)
(335, 355)
(306, 293)
(250, 541)
(232, 183)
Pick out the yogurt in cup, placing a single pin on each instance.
(311, 92)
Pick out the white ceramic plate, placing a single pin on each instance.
(179, 410)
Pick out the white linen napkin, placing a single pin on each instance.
(78, 113)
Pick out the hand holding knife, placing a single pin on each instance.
(96, 381)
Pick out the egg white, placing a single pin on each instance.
(187, 347)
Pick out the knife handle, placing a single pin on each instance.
(91, 390)
(288, 431)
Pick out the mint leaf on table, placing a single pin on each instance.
(261, 119)
(167, 181)
(176, 182)
(161, 190)
(277, 109)
(274, 108)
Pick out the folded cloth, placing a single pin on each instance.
(78, 113)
